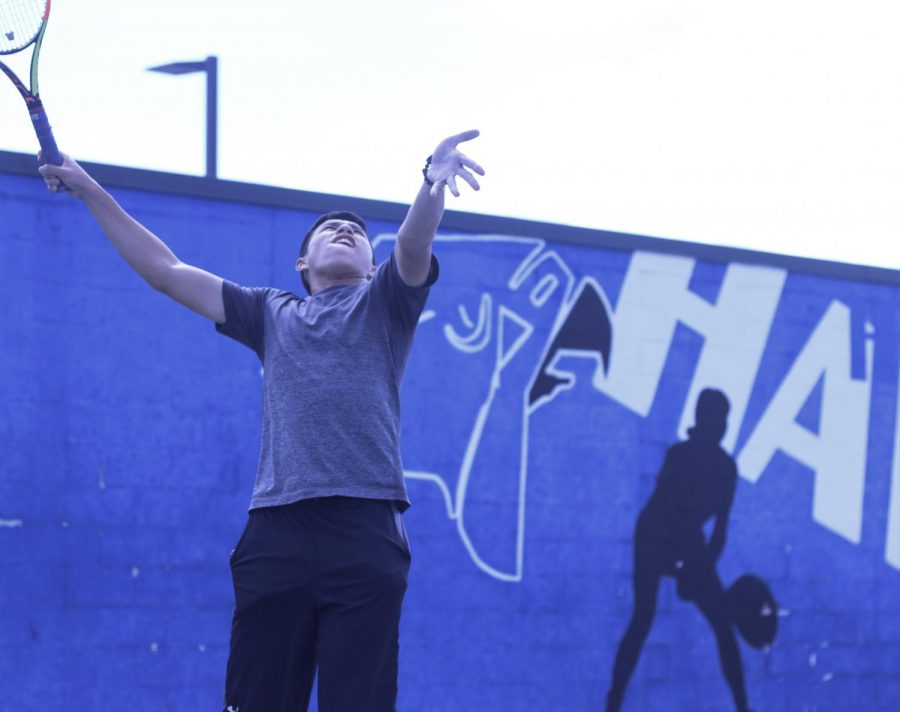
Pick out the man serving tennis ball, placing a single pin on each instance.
(320, 570)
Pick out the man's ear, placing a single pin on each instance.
(372, 270)
(300, 265)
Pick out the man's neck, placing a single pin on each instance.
(338, 282)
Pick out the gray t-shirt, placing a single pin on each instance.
(332, 367)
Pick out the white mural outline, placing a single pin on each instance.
(472, 343)
(478, 339)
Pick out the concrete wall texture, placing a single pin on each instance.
(547, 381)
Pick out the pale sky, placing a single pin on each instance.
(770, 125)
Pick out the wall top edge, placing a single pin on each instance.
(22, 164)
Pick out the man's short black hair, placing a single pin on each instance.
(333, 215)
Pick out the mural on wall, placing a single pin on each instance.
(516, 335)
(512, 345)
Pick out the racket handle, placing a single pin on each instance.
(49, 150)
(45, 138)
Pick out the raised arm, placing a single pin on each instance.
(416, 234)
(145, 253)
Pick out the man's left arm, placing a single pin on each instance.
(413, 249)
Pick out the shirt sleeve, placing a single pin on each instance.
(245, 315)
(406, 303)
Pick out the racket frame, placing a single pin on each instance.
(32, 97)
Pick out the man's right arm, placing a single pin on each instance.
(145, 253)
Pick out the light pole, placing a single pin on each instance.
(211, 66)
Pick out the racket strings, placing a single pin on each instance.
(20, 22)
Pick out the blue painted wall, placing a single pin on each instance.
(129, 433)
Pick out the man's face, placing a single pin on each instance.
(338, 250)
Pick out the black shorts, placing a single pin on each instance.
(318, 585)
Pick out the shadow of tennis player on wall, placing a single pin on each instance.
(696, 484)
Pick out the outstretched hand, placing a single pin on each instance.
(448, 163)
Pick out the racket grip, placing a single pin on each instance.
(45, 138)
(49, 150)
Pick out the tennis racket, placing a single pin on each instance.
(22, 24)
